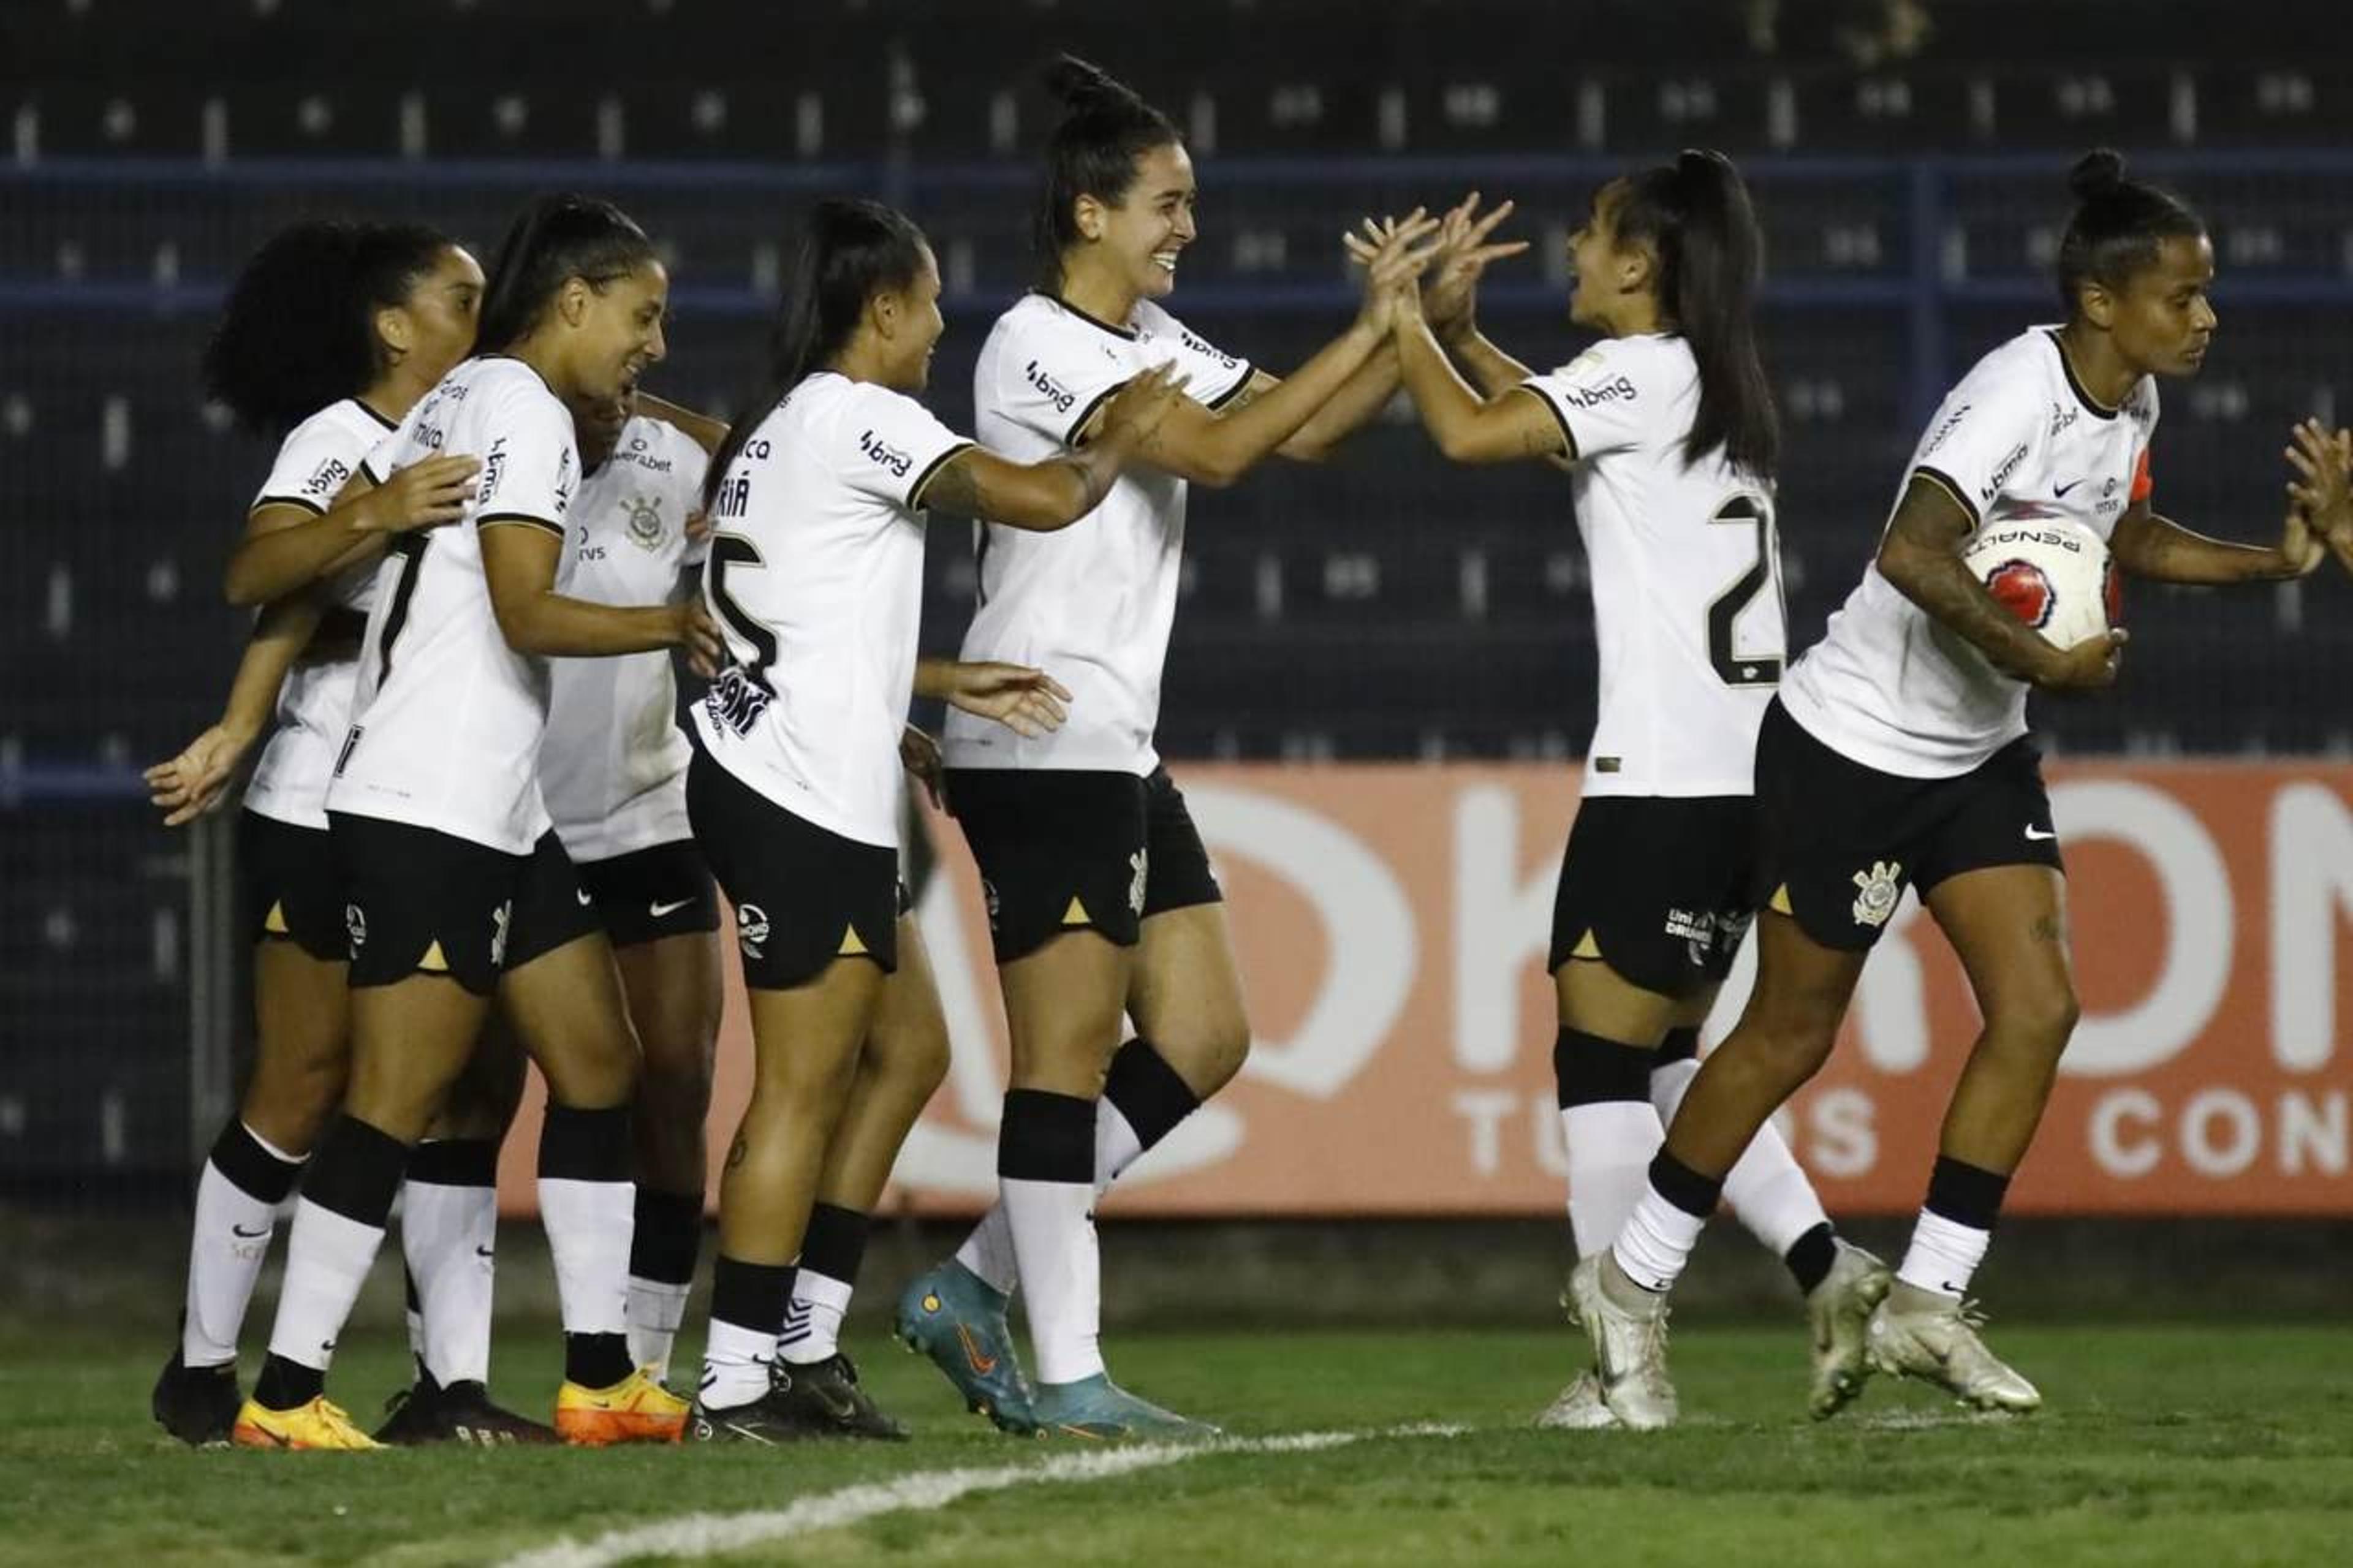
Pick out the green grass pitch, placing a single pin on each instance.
(2209, 1444)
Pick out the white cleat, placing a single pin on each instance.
(1579, 1408)
(1915, 1333)
(1630, 1345)
(1839, 1310)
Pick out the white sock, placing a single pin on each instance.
(813, 1320)
(228, 1245)
(1609, 1144)
(1657, 1241)
(448, 1234)
(735, 1365)
(1944, 1255)
(656, 1307)
(987, 1252)
(327, 1261)
(588, 1228)
(1767, 1189)
(1053, 1228)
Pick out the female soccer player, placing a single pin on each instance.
(450, 867)
(815, 573)
(1669, 429)
(1896, 752)
(1101, 898)
(331, 333)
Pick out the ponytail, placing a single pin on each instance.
(1696, 216)
(849, 251)
(2118, 227)
(552, 240)
(1093, 152)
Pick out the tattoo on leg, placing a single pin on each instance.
(737, 1152)
(2050, 927)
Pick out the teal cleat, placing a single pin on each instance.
(1098, 1408)
(957, 1318)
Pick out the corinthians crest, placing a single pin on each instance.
(1877, 892)
(647, 530)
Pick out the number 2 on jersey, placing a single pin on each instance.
(1745, 511)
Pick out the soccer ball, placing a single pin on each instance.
(2055, 575)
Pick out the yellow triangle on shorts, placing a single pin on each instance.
(1779, 902)
(1586, 947)
(1076, 915)
(433, 959)
(275, 920)
(850, 946)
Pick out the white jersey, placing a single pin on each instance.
(315, 704)
(1091, 605)
(613, 764)
(1687, 609)
(2018, 439)
(447, 720)
(816, 575)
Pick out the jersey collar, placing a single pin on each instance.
(2067, 367)
(1125, 334)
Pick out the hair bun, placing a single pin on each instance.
(1080, 84)
(2097, 173)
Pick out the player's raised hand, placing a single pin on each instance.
(422, 495)
(1137, 410)
(1450, 293)
(2320, 499)
(1026, 701)
(1393, 265)
(196, 782)
(920, 755)
(2087, 665)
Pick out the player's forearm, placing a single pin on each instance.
(1493, 372)
(700, 428)
(270, 566)
(279, 634)
(2163, 550)
(1241, 439)
(1359, 399)
(1450, 410)
(936, 677)
(555, 627)
(1937, 582)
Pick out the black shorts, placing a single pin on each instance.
(1838, 842)
(648, 894)
(422, 902)
(803, 896)
(1659, 889)
(552, 907)
(289, 888)
(1065, 849)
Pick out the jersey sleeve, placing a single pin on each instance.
(1213, 377)
(532, 466)
(1052, 375)
(890, 446)
(1981, 434)
(314, 464)
(1600, 400)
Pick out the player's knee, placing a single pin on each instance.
(1208, 1052)
(2040, 1017)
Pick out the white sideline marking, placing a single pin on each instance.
(708, 1534)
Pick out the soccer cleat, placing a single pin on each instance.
(1579, 1408)
(461, 1413)
(197, 1404)
(957, 1318)
(317, 1425)
(1839, 1310)
(1096, 1408)
(826, 1401)
(1934, 1338)
(1629, 1347)
(635, 1410)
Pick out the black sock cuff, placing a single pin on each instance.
(751, 1294)
(835, 1242)
(1685, 1188)
(668, 1234)
(1965, 1193)
(1810, 1257)
(250, 1168)
(1148, 1091)
(455, 1163)
(1589, 1070)
(1680, 1046)
(357, 1171)
(1046, 1137)
(585, 1145)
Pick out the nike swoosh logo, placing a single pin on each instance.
(983, 1364)
(483, 1252)
(235, 1229)
(2038, 836)
(582, 894)
(2057, 490)
(658, 910)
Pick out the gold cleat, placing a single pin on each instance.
(637, 1409)
(317, 1425)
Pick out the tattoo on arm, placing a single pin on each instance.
(956, 489)
(1921, 556)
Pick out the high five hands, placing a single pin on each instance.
(1454, 263)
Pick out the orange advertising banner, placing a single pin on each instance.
(1392, 922)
